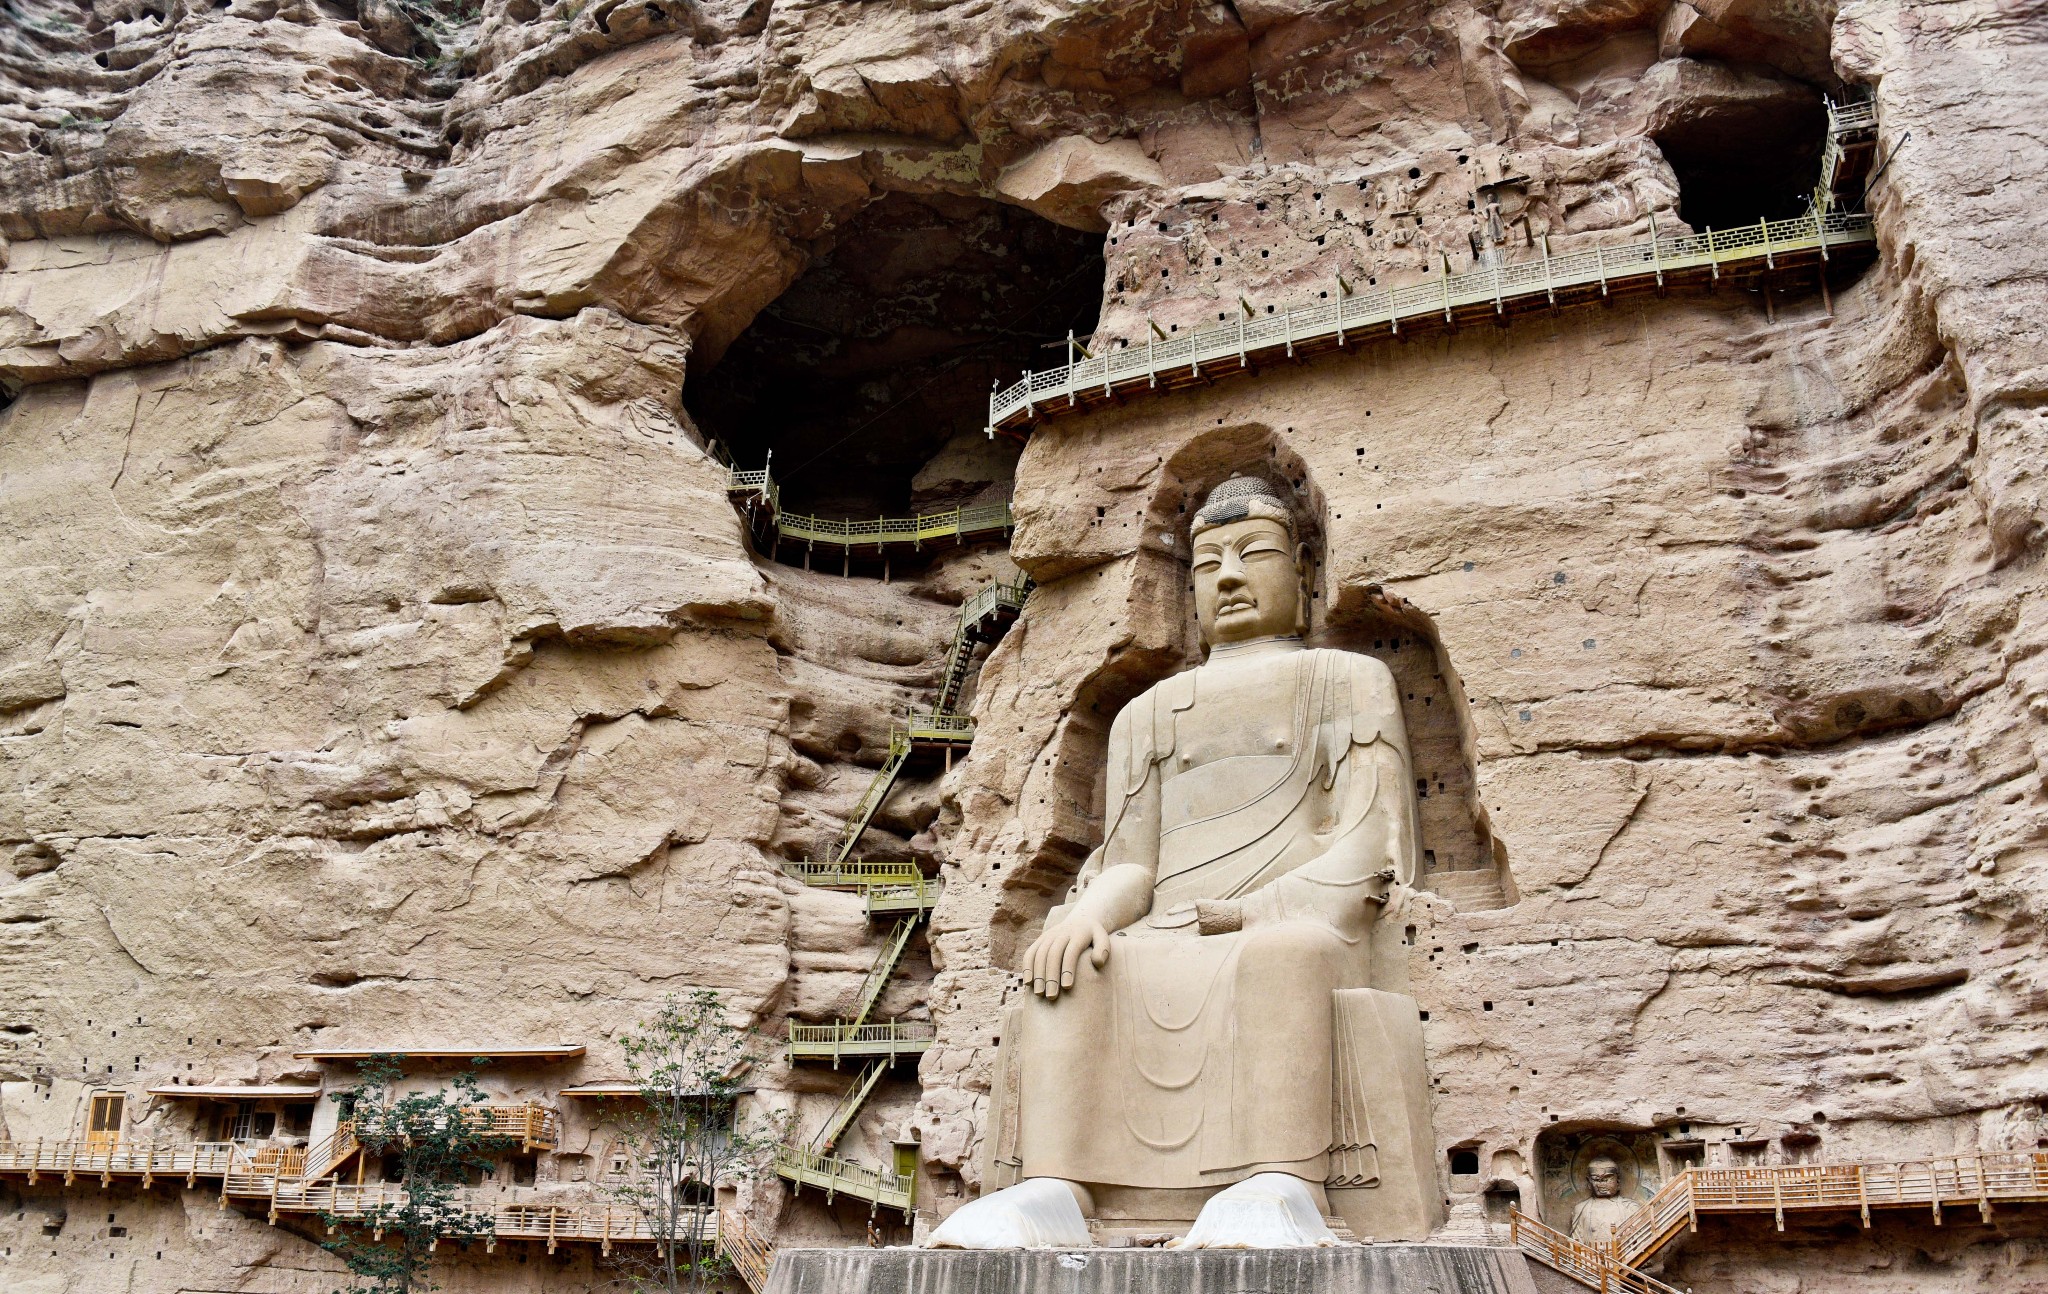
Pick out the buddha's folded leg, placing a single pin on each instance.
(1274, 1114)
(1069, 1077)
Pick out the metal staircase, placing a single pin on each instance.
(890, 889)
(900, 746)
(1846, 156)
(849, 1108)
(983, 618)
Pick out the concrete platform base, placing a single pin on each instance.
(1353, 1269)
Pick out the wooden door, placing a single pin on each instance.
(104, 1128)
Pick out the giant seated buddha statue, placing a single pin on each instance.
(1206, 1040)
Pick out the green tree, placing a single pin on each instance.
(438, 1142)
(683, 1137)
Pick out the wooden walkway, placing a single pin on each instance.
(1976, 1183)
(274, 1184)
(1765, 251)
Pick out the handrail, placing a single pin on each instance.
(885, 966)
(1976, 1180)
(855, 874)
(916, 895)
(834, 1175)
(750, 1256)
(1591, 1265)
(848, 1108)
(850, 533)
(1232, 345)
(871, 799)
(936, 725)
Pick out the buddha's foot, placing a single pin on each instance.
(1040, 1213)
(1267, 1211)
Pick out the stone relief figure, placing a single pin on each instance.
(1603, 1209)
(1201, 1012)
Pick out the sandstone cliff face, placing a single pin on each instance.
(380, 660)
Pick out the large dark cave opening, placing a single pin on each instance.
(1738, 163)
(886, 347)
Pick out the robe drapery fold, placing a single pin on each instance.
(1194, 1060)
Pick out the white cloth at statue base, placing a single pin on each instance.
(1039, 1213)
(1264, 1211)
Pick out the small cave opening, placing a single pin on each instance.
(868, 379)
(1741, 162)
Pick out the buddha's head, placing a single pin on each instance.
(1250, 574)
(1603, 1178)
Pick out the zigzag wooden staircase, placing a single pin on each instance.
(890, 888)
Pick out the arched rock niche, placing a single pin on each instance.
(1462, 861)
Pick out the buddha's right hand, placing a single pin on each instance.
(1054, 956)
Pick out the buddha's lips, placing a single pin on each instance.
(1237, 604)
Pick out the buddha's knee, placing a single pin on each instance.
(1297, 942)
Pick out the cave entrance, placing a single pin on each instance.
(1738, 163)
(869, 378)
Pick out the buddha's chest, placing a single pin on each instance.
(1237, 712)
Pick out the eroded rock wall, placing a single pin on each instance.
(381, 659)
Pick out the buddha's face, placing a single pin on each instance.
(1247, 582)
(1604, 1177)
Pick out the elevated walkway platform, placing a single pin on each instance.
(880, 1187)
(281, 1188)
(1978, 1182)
(797, 537)
(1763, 252)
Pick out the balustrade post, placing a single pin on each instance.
(1770, 261)
(1600, 260)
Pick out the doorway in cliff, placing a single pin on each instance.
(1743, 160)
(868, 379)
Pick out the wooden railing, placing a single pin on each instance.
(939, 726)
(1490, 292)
(533, 1125)
(832, 1041)
(255, 1177)
(106, 1160)
(836, 1176)
(1595, 1266)
(917, 896)
(1977, 1181)
(749, 1255)
(606, 1224)
(326, 1156)
(858, 875)
(1661, 1217)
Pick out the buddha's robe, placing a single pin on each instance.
(1279, 780)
